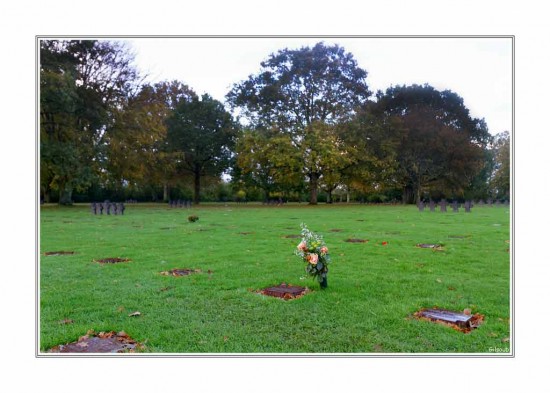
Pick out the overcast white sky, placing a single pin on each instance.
(478, 69)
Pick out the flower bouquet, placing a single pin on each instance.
(313, 250)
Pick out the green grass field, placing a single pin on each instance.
(373, 288)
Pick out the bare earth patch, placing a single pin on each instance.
(357, 240)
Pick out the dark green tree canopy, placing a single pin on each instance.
(204, 133)
(81, 84)
(433, 141)
(400, 100)
(294, 88)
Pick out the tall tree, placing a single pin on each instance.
(438, 145)
(500, 180)
(298, 91)
(81, 83)
(268, 160)
(203, 132)
(137, 146)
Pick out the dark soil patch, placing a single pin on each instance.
(357, 240)
(167, 228)
(180, 272)
(459, 236)
(285, 291)
(246, 233)
(103, 342)
(336, 230)
(393, 233)
(293, 236)
(462, 322)
(56, 253)
(112, 260)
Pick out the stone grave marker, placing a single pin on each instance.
(285, 291)
(467, 206)
(93, 208)
(443, 205)
(421, 206)
(455, 206)
(432, 206)
(121, 208)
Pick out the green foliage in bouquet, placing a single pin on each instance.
(314, 252)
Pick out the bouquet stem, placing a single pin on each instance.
(324, 283)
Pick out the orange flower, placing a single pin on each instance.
(312, 258)
(324, 250)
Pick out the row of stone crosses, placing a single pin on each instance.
(455, 205)
(107, 207)
(179, 203)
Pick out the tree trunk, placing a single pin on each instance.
(196, 197)
(47, 196)
(166, 193)
(329, 197)
(408, 195)
(313, 186)
(65, 194)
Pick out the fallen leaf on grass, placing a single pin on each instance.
(506, 339)
(66, 322)
(438, 280)
(134, 314)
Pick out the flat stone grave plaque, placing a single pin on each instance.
(293, 236)
(180, 272)
(110, 342)
(284, 291)
(112, 260)
(357, 240)
(432, 246)
(464, 322)
(56, 253)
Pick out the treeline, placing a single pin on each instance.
(308, 129)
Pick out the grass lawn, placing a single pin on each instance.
(373, 289)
